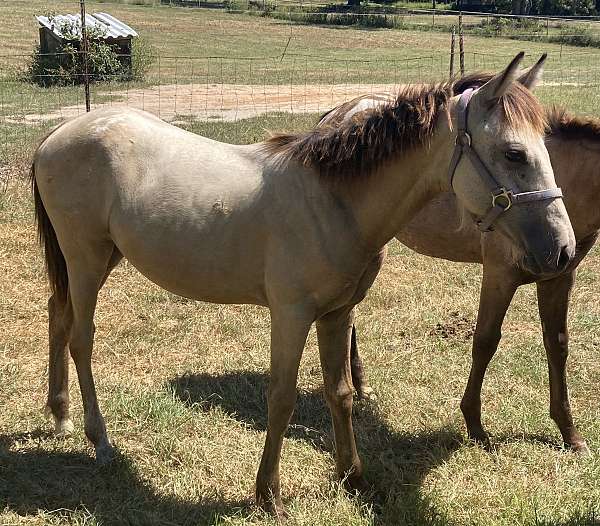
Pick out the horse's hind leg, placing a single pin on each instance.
(553, 303)
(363, 390)
(60, 317)
(87, 271)
(334, 335)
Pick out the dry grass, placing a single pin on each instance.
(182, 383)
(182, 388)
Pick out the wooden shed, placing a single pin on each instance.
(115, 33)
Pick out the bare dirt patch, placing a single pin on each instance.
(229, 102)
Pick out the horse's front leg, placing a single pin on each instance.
(334, 334)
(289, 329)
(553, 304)
(497, 291)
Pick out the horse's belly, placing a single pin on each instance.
(209, 265)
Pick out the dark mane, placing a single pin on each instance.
(572, 127)
(372, 138)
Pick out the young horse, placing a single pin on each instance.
(297, 224)
(438, 230)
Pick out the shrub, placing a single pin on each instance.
(143, 56)
(66, 65)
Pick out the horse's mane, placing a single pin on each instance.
(572, 127)
(374, 137)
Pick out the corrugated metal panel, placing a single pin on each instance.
(110, 26)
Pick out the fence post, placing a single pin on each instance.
(461, 44)
(84, 50)
(547, 26)
(452, 53)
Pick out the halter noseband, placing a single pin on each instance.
(502, 199)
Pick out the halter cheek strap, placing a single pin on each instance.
(502, 199)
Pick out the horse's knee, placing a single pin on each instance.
(557, 347)
(282, 402)
(339, 395)
(486, 342)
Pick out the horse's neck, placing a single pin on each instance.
(575, 164)
(386, 201)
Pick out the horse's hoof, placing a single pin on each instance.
(580, 447)
(357, 485)
(272, 506)
(481, 438)
(367, 393)
(63, 428)
(104, 455)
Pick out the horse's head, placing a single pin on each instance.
(501, 172)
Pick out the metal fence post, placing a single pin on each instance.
(452, 42)
(461, 44)
(84, 50)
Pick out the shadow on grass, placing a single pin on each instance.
(67, 483)
(396, 463)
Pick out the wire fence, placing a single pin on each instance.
(229, 89)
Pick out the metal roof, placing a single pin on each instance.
(111, 26)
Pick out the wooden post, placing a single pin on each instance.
(84, 50)
(461, 44)
(452, 41)
(433, 15)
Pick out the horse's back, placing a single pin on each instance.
(181, 208)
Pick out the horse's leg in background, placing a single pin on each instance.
(289, 330)
(553, 303)
(334, 335)
(363, 390)
(497, 290)
(60, 319)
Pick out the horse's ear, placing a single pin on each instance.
(492, 90)
(531, 77)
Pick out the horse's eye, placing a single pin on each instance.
(516, 156)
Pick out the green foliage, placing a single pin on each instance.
(583, 37)
(542, 7)
(509, 26)
(143, 56)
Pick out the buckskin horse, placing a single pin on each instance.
(297, 224)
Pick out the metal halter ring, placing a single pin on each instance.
(503, 193)
(463, 139)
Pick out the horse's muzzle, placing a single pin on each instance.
(556, 264)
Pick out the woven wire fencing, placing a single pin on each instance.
(203, 93)
(212, 89)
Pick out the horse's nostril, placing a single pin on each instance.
(564, 257)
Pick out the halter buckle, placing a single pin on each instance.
(502, 193)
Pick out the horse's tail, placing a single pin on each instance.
(56, 266)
